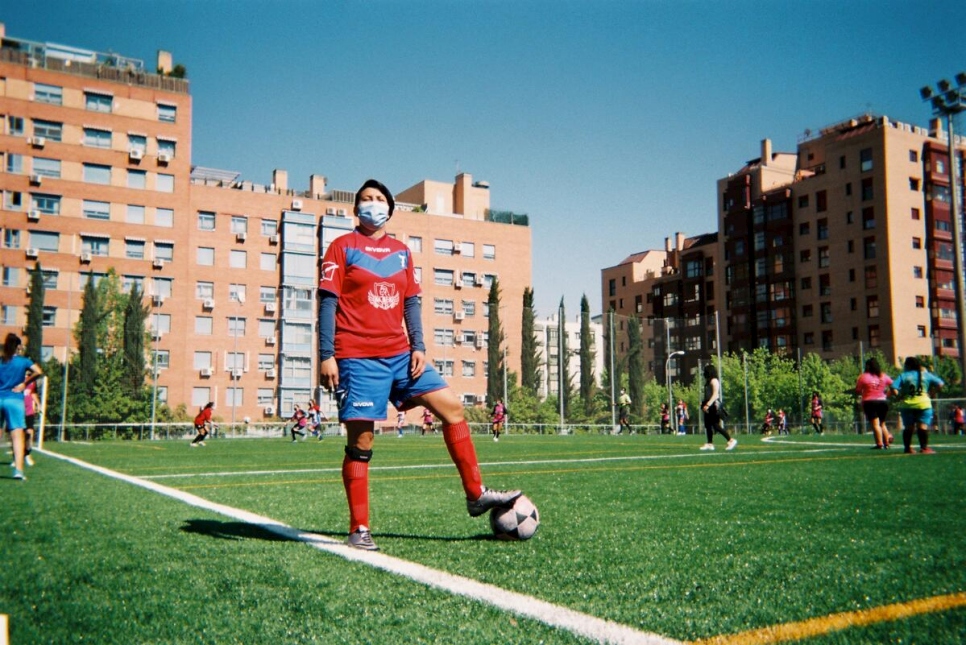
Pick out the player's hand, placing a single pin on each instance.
(417, 364)
(329, 374)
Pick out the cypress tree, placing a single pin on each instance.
(494, 352)
(587, 384)
(529, 357)
(135, 314)
(35, 315)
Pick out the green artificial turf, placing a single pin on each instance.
(644, 531)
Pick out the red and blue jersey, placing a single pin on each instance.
(372, 279)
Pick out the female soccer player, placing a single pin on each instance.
(817, 413)
(203, 424)
(497, 419)
(711, 407)
(913, 387)
(872, 386)
(13, 379)
(367, 287)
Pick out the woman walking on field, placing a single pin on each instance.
(14, 378)
(913, 388)
(367, 288)
(711, 407)
(872, 386)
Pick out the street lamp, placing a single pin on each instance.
(667, 377)
(156, 333)
(948, 101)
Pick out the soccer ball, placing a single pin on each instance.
(517, 522)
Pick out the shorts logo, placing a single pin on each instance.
(363, 404)
(383, 296)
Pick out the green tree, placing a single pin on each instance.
(565, 384)
(588, 386)
(635, 365)
(35, 315)
(494, 351)
(91, 316)
(529, 355)
(135, 314)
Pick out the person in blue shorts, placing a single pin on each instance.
(14, 378)
(367, 288)
(912, 388)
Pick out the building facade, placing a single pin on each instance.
(98, 177)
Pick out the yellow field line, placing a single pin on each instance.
(835, 622)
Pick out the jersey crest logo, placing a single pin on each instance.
(383, 296)
(328, 270)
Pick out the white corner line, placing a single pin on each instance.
(585, 625)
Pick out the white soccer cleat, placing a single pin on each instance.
(707, 446)
(731, 444)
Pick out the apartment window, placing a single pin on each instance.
(865, 159)
(202, 360)
(913, 156)
(128, 282)
(489, 252)
(266, 396)
(96, 210)
(266, 327)
(95, 245)
(165, 183)
(443, 277)
(134, 249)
(759, 241)
(867, 189)
(920, 302)
(164, 217)
(848, 189)
(443, 306)
(236, 327)
(851, 275)
(96, 138)
(821, 231)
(868, 218)
(267, 261)
(806, 283)
(266, 294)
(164, 251)
(921, 331)
(825, 285)
(269, 227)
(444, 367)
(266, 362)
(871, 278)
(11, 277)
(917, 273)
(47, 167)
(96, 102)
(206, 256)
(940, 167)
(12, 200)
(237, 292)
(204, 290)
(167, 113)
(809, 338)
(868, 248)
(206, 221)
(49, 317)
(805, 255)
(14, 164)
(239, 224)
(167, 147)
(238, 259)
(821, 201)
(469, 308)
(850, 246)
(917, 242)
(137, 142)
(803, 201)
(135, 214)
(52, 94)
(50, 130)
(97, 174)
(137, 179)
(823, 257)
(849, 217)
(853, 304)
(15, 126)
(872, 306)
(49, 204)
(914, 184)
(804, 228)
(443, 247)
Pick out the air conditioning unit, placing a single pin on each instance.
(480, 280)
(480, 342)
(481, 398)
(330, 211)
(33, 215)
(164, 157)
(270, 373)
(342, 212)
(458, 339)
(156, 335)
(236, 374)
(459, 315)
(32, 253)
(296, 204)
(270, 340)
(241, 237)
(269, 410)
(36, 180)
(157, 301)
(270, 307)
(135, 154)
(207, 371)
(158, 263)
(458, 284)
(457, 248)
(86, 257)
(273, 239)
(37, 142)
(208, 303)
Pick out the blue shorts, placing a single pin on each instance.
(12, 412)
(367, 384)
(915, 418)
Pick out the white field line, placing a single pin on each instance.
(448, 465)
(585, 625)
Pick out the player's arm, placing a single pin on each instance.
(412, 314)
(328, 370)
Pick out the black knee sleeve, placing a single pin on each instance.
(358, 455)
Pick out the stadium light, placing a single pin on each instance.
(948, 102)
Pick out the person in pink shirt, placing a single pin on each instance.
(31, 404)
(872, 386)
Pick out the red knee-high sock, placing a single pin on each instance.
(461, 451)
(355, 478)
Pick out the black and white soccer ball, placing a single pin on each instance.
(517, 522)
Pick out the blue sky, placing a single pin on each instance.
(608, 121)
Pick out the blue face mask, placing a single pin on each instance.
(373, 215)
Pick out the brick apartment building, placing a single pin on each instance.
(845, 244)
(97, 174)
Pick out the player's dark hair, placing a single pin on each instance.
(710, 372)
(10, 345)
(913, 364)
(872, 367)
(378, 185)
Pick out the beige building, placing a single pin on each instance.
(97, 175)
